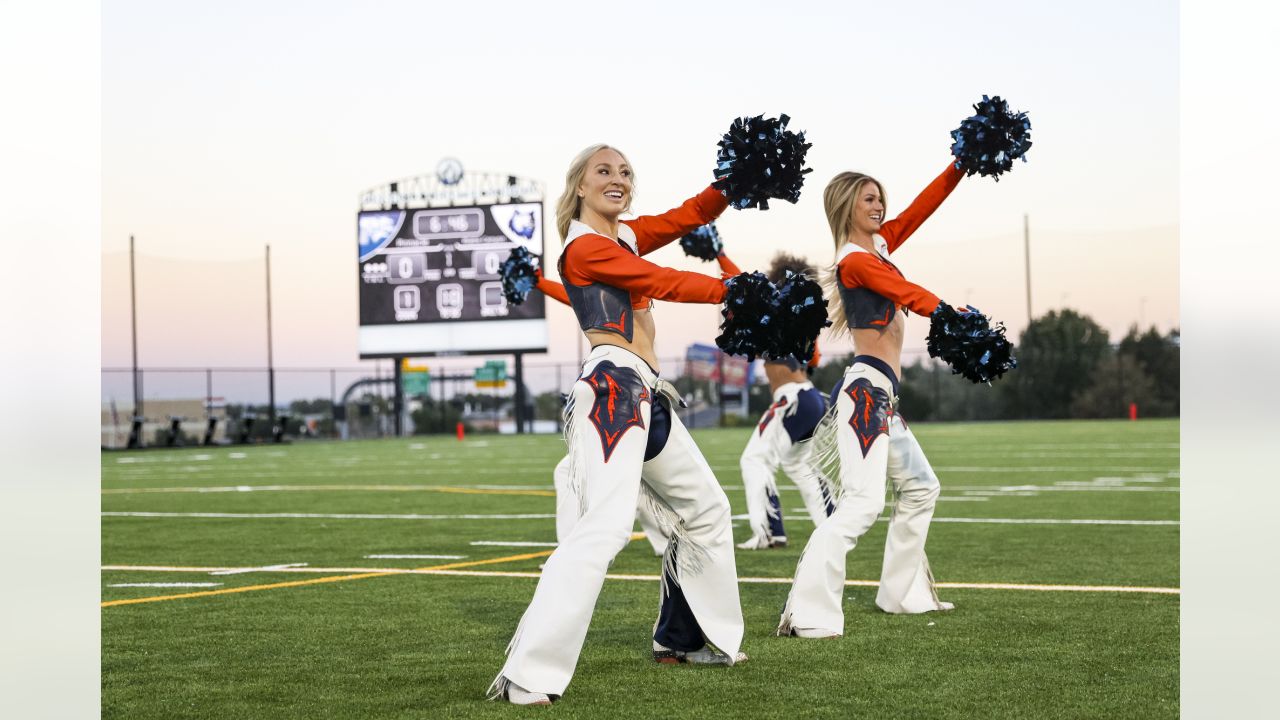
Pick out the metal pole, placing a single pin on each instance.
(397, 404)
(133, 315)
(271, 370)
(208, 393)
(519, 393)
(333, 399)
(1026, 251)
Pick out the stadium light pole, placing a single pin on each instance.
(133, 319)
(271, 370)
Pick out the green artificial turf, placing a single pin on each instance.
(426, 646)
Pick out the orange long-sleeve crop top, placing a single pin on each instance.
(606, 279)
(871, 286)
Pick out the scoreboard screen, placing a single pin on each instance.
(430, 282)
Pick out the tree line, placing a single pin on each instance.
(1067, 368)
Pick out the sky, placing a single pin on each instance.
(230, 126)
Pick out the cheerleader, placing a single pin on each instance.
(780, 439)
(624, 439)
(869, 297)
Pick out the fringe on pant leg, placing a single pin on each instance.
(498, 690)
(692, 556)
(784, 622)
(577, 473)
(825, 454)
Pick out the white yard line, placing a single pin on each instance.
(547, 516)
(414, 557)
(1064, 486)
(654, 578)
(264, 568)
(166, 585)
(325, 516)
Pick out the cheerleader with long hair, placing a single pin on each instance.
(863, 439)
(625, 440)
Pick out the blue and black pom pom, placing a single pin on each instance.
(750, 316)
(988, 142)
(519, 274)
(970, 344)
(803, 311)
(760, 159)
(703, 243)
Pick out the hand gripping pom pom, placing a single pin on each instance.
(703, 243)
(988, 142)
(969, 344)
(803, 314)
(750, 315)
(519, 275)
(760, 159)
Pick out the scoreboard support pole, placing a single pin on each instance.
(397, 406)
(520, 405)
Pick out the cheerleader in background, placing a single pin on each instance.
(780, 439)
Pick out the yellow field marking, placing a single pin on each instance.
(336, 578)
(322, 488)
(317, 581)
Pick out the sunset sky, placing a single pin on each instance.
(230, 126)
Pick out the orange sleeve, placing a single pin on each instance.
(817, 357)
(862, 269)
(655, 231)
(552, 289)
(597, 258)
(727, 268)
(897, 230)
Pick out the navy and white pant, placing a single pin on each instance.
(622, 435)
(780, 440)
(875, 447)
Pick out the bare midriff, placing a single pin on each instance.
(641, 342)
(885, 344)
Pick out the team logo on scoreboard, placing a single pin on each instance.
(521, 223)
(377, 229)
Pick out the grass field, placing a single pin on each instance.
(316, 627)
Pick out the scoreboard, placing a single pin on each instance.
(430, 283)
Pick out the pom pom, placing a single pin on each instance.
(750, 315)
(969, 344)
(760, 159)
(519, 274)
(703, 243)
(802, 315)
(988, 142)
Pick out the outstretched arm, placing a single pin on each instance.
(655, 231)
(897, 230)
(596, 258)
(866, 270)
(552, 289)
(727, 268)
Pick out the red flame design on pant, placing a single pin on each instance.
(619, 392)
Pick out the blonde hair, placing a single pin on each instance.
(838, 199)
(569, 206)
